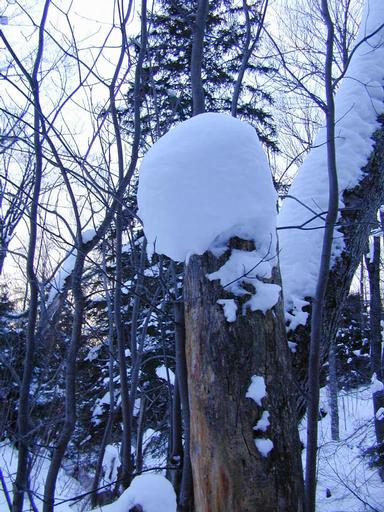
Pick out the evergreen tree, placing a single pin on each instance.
(11, 344)
(166, 94)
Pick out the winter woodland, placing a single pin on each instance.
(191, 224)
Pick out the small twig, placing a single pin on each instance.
(5, 490)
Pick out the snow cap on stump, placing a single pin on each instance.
(206, 178)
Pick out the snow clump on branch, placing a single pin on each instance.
(358, 103)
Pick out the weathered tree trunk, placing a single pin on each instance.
(229, 472)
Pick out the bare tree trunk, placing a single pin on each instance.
(70, 384)
(373, 267)
(126, 462)
(111, 413)
(186, 485)
(197, 57)
(362, 297)
(176, 448)
(247, 51)
(181, 403)
(229, 472)
(319, 299)
(333, 392)
(23, 419)
(140, 433)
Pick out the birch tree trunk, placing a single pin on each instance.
(229, 472)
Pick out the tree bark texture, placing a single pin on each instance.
(229, 472)
(357, 218)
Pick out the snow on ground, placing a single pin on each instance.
(358, 102)
(66, 487)
(206, 177)
(153, 492)
(352, 485)
(342, 469)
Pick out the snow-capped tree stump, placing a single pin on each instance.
(235, 467)
(206, 197)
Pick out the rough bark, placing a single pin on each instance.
(357, 218)
(229, 472)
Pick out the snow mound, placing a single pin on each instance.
(206, 177)
(358, 102)
(153, 493)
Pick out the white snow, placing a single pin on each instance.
(230, 308)
(153, 492)
(249, 267)
(64, 271)
(264, 445)
(66, 486)
(88, 234)
(342, 468)
(111, 463)
(206, 177)
(358, 102)
(93, 353)
(136, 406)
(165, 373)
(257, 390)
(380, 414)
(67, 266)
(263, 422)
(376, 385)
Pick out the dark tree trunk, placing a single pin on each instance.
(333, 392)
(322, 279)
(70, 385)
(197, 57)
(24, 427)
(176, 440)
(229, 472)
(186, 485)
(375, 335)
